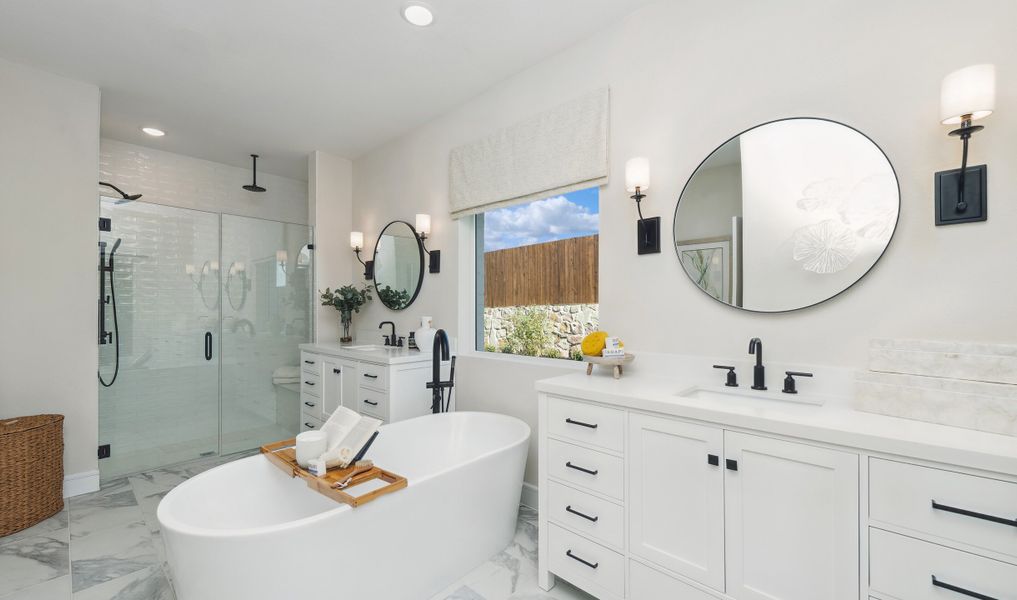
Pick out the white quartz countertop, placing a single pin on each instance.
(833, 423)
(386, 355)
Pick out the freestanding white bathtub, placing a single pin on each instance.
(247, 530)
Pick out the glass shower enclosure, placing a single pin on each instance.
(205, 312)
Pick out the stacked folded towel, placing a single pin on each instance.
(286, 375)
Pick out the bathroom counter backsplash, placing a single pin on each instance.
(836, 421)
(369, 352)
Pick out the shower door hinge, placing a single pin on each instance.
(104, 451)
(310, 246)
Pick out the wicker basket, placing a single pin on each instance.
(31, 471)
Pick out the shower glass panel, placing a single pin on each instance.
(266, 314)
(163, 407)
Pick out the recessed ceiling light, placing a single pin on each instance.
(418, 14)
(152, 131)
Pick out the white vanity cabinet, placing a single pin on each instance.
(639, 504)
(338, 384)
(791, 520)
(786, 513)
(676, 499)
(387, 384)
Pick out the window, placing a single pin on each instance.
(537, 283)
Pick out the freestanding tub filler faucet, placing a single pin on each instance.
(439, 352)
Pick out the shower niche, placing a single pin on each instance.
(206, 312)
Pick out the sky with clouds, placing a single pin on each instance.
(575, 214)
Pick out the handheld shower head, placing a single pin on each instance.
(116, 245)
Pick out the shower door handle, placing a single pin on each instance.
(208, 345)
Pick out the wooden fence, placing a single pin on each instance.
(559, 272)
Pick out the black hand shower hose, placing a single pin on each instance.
(116, 324)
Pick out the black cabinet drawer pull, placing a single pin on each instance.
(581, 424)
(337, 371)
(370, 376)
(569, 554)
(309, 362)
(371, 403)
(308, 425)
(308, 383)
(572, 466)
(960, 590)
(732, 465)
(579, 514)
(973, 514)
(311, 404)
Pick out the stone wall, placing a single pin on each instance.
(566, 324)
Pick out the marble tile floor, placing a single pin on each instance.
(107, 546)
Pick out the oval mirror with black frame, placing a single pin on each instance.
(786, 215)
(398, 265)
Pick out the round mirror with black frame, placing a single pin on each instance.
(786, 215)
(398, 265)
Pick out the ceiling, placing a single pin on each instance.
(281, 78)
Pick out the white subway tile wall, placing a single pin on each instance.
(188, 182)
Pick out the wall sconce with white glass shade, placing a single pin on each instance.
(966, 95)
(637, 181)
(422, 225)
(357, 243)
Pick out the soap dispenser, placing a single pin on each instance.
(425, 335)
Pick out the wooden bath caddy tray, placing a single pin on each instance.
(284, 455)
(615, 362)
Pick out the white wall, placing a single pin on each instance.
(330, 201)
(49, 156)
(685, 76)
(188, 182)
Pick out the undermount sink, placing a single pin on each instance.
(735, 394)
(372, 348)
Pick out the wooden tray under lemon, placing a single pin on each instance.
(617, 362)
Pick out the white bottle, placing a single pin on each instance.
(425, 335)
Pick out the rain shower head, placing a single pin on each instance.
(123, 194)
(254, 187)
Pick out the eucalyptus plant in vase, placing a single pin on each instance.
(347, 300)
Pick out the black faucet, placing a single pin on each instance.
(390, 340)
(440, 352)
(758, 372)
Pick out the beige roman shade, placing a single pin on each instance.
(555, 152)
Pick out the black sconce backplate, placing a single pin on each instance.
(648, 235)
(369, 270)
(975, 195)
(434, 261)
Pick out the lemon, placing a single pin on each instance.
(593, 344)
